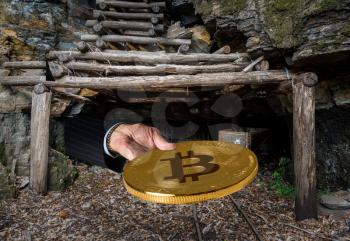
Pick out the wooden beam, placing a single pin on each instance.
(150, 58)
(135, 39)
(251, 66)
(82, 46)
(39, 147)
(130, 4)
(150, 32)
(25, 65)
(155, 70)
(224, 50)
(304, 146)
(130, 16)
(56, 69)
(153, 82)
(133, 25)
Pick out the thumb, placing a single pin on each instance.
(161, 143)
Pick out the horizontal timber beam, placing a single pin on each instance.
(120, 15)
(151, 82)
(134, 25)
(158, 69)
(130, 4)
(150, 58)
(135, 39)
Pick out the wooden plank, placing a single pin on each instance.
(130, 4)
(133, 25)
(25, 65)
(149, 58)
(224, 50)
(154, 82)
(121, 15)
(155, 70)
(39, 146)
(304, 146)
(135, 39)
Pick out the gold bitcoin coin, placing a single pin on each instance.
(195, 171)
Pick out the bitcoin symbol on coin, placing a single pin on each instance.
(177, 166)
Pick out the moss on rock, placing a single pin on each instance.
(280, 19)
(7, 186)
(61, 172)
(346, 29)
(314, 7)
(219, 7)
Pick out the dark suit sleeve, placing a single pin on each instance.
(84, 142)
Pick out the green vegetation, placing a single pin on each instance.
(284, 5)
(224, 7)
(318, 6)
(280, 17)
(282, 188)
(346, 29)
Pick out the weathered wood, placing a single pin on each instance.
(156, 9)
(82, 46)
(130, 4)
(134, 57)
(151, 82)
(251, 66)
(102, 5)
(304, 148)
(56, 69)
(183, 49)
(135, 39)
(70, 95)
(98, 28)
(154, 20)
(150, 32)
(224, 50)
(25, 65)
(129, 16)
(309, 79)
(132, 25)
(263, 65)
(101, 44)
(158, 69)
(41, 101)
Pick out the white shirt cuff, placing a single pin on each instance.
(105, 148)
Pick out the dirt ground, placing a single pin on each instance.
(97, 207)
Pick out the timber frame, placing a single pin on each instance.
(303, 117)
(140, 25)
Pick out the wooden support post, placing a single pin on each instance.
(304, 145)
(39, 147)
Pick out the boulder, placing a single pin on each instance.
(334, 202)
(7, 186)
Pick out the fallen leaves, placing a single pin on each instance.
(97, 207)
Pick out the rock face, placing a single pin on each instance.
(308, 29)
(304, 33)
(28, 29)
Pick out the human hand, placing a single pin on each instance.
(131, 141)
